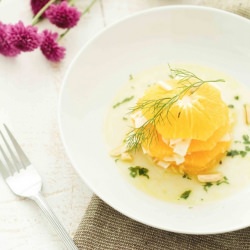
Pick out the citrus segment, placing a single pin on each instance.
(157, 148)
(200, 161)
(198, 145)
(197, 120)
(195, 115)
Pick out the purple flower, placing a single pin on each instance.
(24, 38)
(6, 48)
(50, 48)
(36, 5)
(63, 15)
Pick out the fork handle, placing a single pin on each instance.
(67, 240)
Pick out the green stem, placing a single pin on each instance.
(71, 2)
(89, 7)
(41, 11)
(83, 13)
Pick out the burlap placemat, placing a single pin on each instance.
(104, 228)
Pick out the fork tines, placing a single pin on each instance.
(15, 158)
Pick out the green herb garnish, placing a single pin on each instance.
(207, 185)
(236, 97)
(127, 99)
(224, 180)
(246, 139)
(231, 106)
(242, 153)
(185, 194)
(131, 77)
(186, 176)
(188, 83)
(138, 171)
(234, 152)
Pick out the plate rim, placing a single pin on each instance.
(64, 83)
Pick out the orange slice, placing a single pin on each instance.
(201, 161)
(199, 115)
(157, 148)
(209, 144)
(195, 116)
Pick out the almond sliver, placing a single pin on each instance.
(247, 113)
(210, 177)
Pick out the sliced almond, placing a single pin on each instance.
(164, 85)
(247, 113)
(126, 157)
(210, 177)
(118, 151)
(138, 119)
(163, 164)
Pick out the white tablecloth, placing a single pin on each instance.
(29, 91)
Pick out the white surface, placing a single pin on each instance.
(29, 93)
(165, 35)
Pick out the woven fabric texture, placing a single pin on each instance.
(103, 228)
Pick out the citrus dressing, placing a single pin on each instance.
(170, 185)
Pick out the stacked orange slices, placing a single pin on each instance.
(192, 134)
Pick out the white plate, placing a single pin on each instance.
(198, 35)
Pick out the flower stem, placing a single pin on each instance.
(89, 7)
(63, 34)
(84, 12)
(71, 2)
(41, 11)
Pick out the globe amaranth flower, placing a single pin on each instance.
(36, 5)
(24, 38)
(6, 48)
(63, 15)
(50, 48)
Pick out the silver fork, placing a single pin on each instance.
(23, 180)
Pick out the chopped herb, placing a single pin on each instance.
(127, 99)
(185, 176)
(236, 97)
(207, 185)
(246, 139)
(116, 160)
(233, 153)
(243, 153)
(224, 180)
(237, 141)
(131, 77)
(231, 106)
(138, 171)
(247, 148)
(186, 194)
(124, 118)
